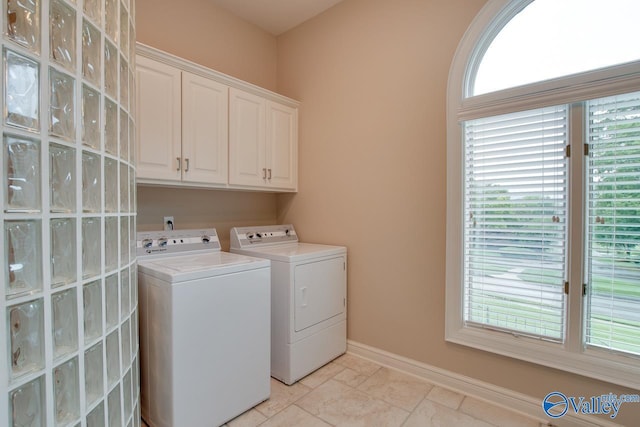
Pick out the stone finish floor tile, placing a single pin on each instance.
(432, 414)
(350, 377)
(396, 388)
(358, 364)
(294, 416)
(342, 405)
(282, 396)
(322, 375)
(445, 397)
(251, 418)
(495, 415)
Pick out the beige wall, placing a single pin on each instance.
(372, 78)
(203, 33)
(193, 208)
(198, 31)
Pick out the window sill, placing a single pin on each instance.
(598, 364)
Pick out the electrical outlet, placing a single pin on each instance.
(168, 223)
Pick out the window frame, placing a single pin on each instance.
(572, 355)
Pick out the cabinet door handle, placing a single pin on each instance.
(186, 161)
(179, 161)
(269, 170)
(264, 173)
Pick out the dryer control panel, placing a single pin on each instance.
(245, 237)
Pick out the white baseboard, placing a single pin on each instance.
(500, 396)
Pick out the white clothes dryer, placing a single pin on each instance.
(308, 298)
(204, 329)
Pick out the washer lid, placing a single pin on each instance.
(293, 252)
(176, 269)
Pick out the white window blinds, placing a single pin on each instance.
(515, 207)
(613, 224)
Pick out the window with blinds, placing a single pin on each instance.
(515, 222)
(613, 224)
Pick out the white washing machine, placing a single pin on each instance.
(308, 298)
(204, 329)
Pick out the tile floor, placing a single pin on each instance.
(351, 391)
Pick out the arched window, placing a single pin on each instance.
(543, 186)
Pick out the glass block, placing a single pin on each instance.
(23, 23)
(93, 374)
(23, 249)
(135, 378)
(134, 327)
(26, 332)
(62, 34)
(125, 336)
(132, 141)
(67, 392)
(62, 91)
(22, 91)
(111, 18)
(125, 293)
(124, 83)
(113, 358)
(124, 135)
(111, 70)
(110, 185)
(22, 174)
(96, 417)
(114, 411)
(91, 182)
(111, 303)
(92, 300)
(124, 240)
(126, 395)
(91, 52)
(62, 179)
(124, 30)
(134, 288)
(111, 127)
(124, 188)
(65, 322)
(132, 240)
(93, 9)
(90, 117)
(91, 247)
(111, 243)
(63, 251)
(132, 43)
(27, 404)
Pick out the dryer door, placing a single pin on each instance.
(320, 291)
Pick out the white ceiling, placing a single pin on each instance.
(275, 16)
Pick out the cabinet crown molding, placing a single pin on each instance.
(192, 67)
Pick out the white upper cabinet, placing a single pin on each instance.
(158, 119)
(282, 146)
(262, 142)
(200, 128)
(204, 130)
(182, 125)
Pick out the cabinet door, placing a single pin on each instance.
(246, 139)
(158, 120)
(204, 130)
(282, 146)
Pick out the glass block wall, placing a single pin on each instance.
(69, 318)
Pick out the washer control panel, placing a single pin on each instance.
(176, 241)
(244, 237)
